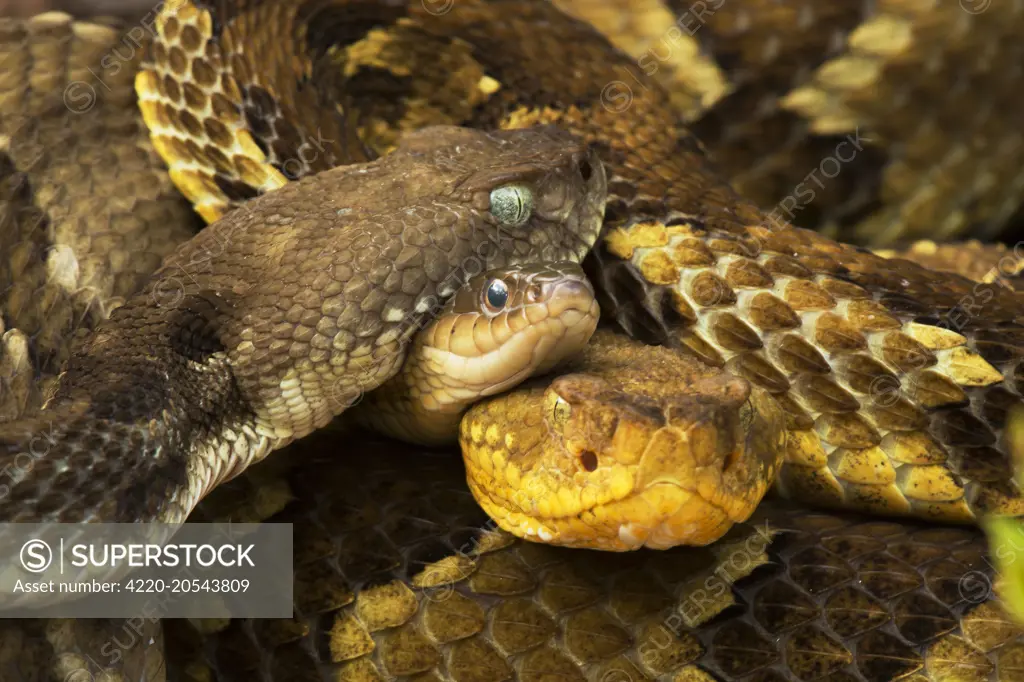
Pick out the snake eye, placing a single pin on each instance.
(512, 204)
(497, 294)
(560, 412)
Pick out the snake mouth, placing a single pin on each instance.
(679, 515)
(660, 515)
(663, 515)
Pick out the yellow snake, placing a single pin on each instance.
(686, 243)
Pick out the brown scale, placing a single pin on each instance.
(770, 313)
(836, 596)
(71, 254)
(795, 354)
(754, 367)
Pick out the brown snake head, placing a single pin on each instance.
(264, 326)
(501, 328)
(643, 447)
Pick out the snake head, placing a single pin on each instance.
(619, 456)
(502, 327)
(542, 188)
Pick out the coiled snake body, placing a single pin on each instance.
(822, 328)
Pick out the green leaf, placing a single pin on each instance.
(1006, 544)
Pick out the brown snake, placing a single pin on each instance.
(194, 377)
(847, 304)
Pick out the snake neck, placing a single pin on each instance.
(147, 419)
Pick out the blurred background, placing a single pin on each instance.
(122, 8)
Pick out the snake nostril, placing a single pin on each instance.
(588, 460)
(585, 170)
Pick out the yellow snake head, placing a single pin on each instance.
(642, 447)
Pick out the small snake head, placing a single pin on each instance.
(543, 314)
(502, 327)
(621, 458)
